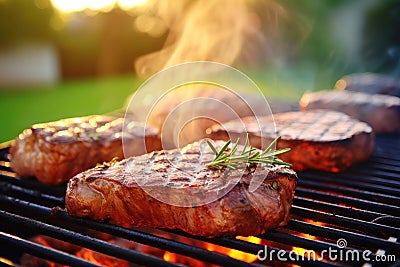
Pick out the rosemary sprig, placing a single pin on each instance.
(249, 155)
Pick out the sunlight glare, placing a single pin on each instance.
(128, 4)
(68, 6)
(105, 5)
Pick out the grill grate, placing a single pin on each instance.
(361, 206)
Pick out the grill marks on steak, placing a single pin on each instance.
(54, 152)
(319, 139)
(382, 112)
(113, 193)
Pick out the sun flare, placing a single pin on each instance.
(95, 5)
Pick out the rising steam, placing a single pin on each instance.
(224, 31)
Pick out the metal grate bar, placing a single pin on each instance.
(384, 163)
(137, 236)
(248, 247)
(3, 264)
(30, 194)
(352, 237)
(34, 184)
(388, 199)
(354, 179)
(381, 169)
(162, 243)
(330, 218)
(360, 181)
(303, 242)
(86, 241)
(388, 158)
(350, 201)
(336, 209)
(252, 248)
(43, 252)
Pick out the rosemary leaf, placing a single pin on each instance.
(227, 159)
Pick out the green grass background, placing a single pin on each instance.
(21, 107)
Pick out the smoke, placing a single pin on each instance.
(224, 31)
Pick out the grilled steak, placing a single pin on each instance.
(113, 193)
(370, 83)
(382, 112)
(319, 139)
(54, 152)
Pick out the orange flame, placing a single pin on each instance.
(87, 255)
(101, 259)
(168, 256)
(305, 252)
(236, 254)
(7, 262)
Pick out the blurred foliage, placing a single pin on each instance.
(381, 45)
(318, 47)
(29, 105)
(104, 44)
(107, 43)
(25, 20)
(313, 17)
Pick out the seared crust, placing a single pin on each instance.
(319, 139)
(113, 193)
(54, 152)
(382, 112)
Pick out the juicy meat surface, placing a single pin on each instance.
(54, 152)
(370, 83)
(382, 112)
(319, 139)
(118, 194)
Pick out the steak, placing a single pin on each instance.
(118, 194)
(319, 139)
(382, 112)
(56, 151)
(370, 83)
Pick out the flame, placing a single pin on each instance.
(168, 256)
(314, 222)
(105, 260)
(236, 254)
(303, 251)
(7, 262)
(30, 260)
(101, 259)
(88, 255)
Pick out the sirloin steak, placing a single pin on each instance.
(54, 152)
(382, 112)
(113, 193)
(371, 83)
(319, 139)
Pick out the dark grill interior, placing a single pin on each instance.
(361, 205)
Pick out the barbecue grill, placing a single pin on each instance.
(360, 207)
